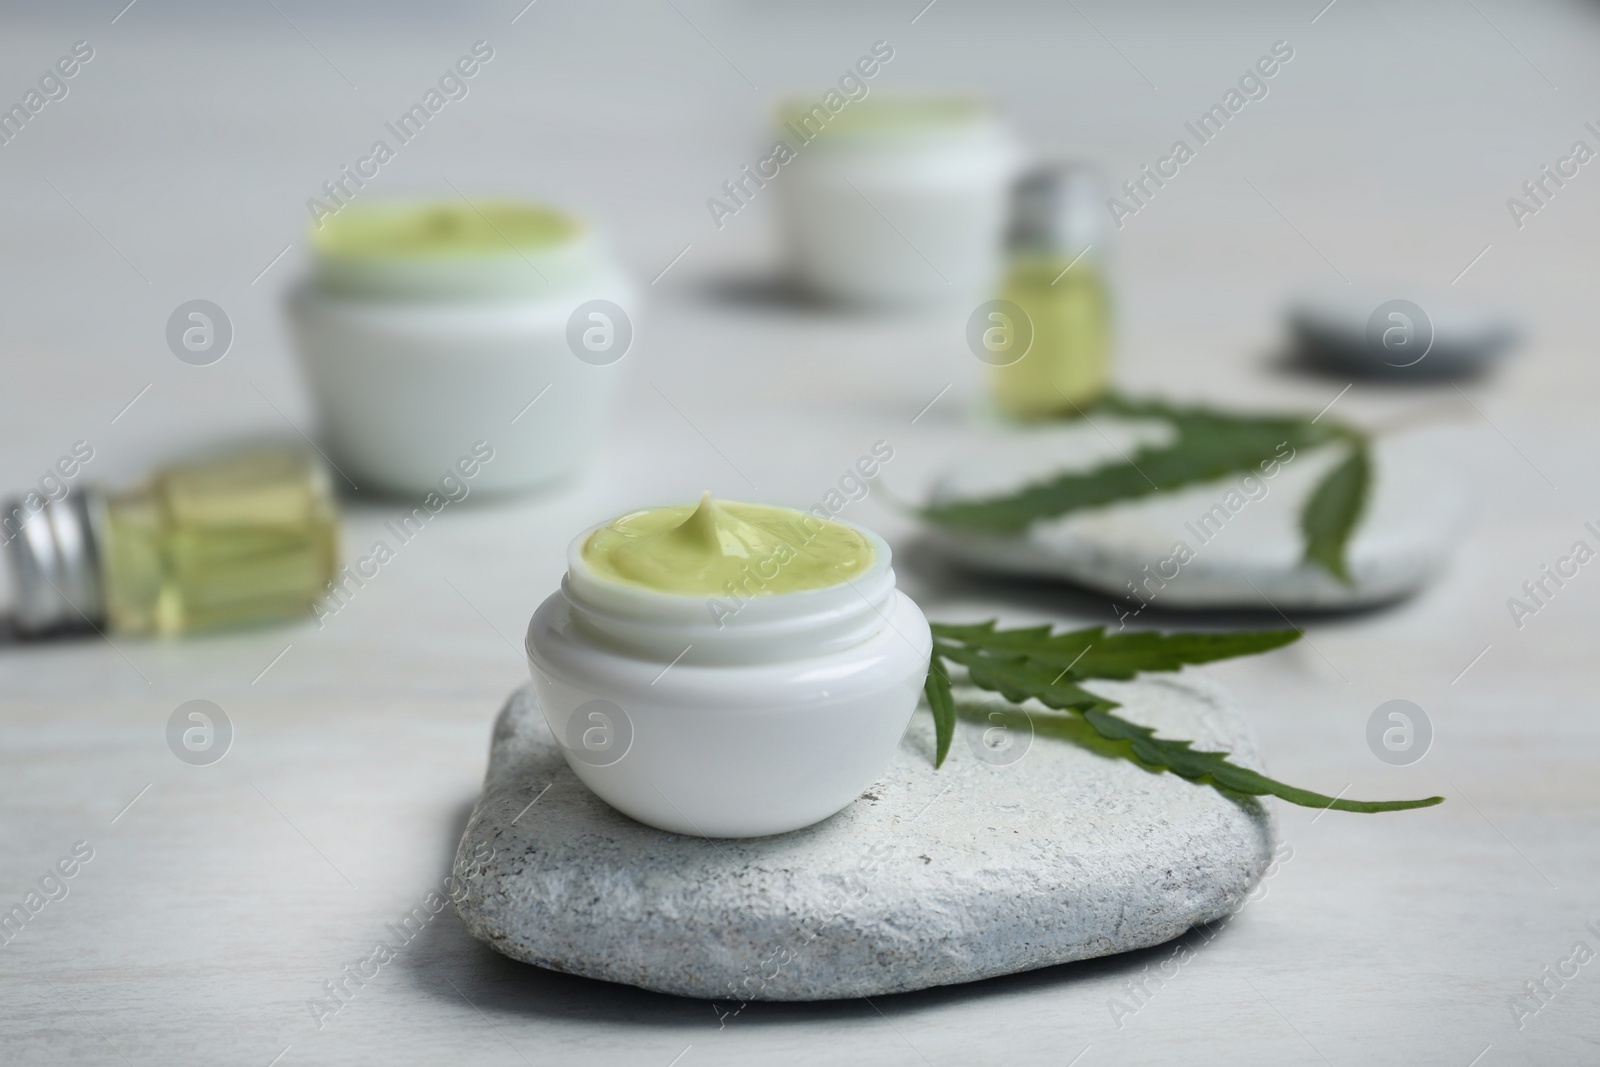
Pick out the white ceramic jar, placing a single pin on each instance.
(771, 721)
(896, 200)
(418, 342)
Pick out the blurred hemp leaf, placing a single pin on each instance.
(1208, 445)
(1330, 515)
(1040, 664)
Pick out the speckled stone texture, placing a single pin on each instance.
(1036, 853)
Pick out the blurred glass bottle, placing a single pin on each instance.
(248, 538)
(1056, 246)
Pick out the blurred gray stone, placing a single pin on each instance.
(1399, 332)
(985, 867)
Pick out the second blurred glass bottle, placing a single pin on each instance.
(247, 538)
(1056, 247)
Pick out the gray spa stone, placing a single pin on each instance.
(1397, 332)
(1011, 857)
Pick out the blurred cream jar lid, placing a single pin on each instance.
(734, 713)
(897, 198)
(434, 330)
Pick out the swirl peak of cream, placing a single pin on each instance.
(701, 549)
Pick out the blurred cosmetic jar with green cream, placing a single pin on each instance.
(426, 326)
(896, 200)
(728, 670)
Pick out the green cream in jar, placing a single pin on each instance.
(400, 230)
(428, 251)
(703, 549)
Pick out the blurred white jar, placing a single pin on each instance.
(427, 326)
(896, 200)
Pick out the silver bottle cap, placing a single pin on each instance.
(54, 564)
(1058, 208)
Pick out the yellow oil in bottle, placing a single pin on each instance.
(1056, 277)
(249, 538)
(1068, 365)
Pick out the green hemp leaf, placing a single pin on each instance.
(1208, 445)
(1038, 663)
(1330, 516)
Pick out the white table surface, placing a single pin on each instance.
(222, 899)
